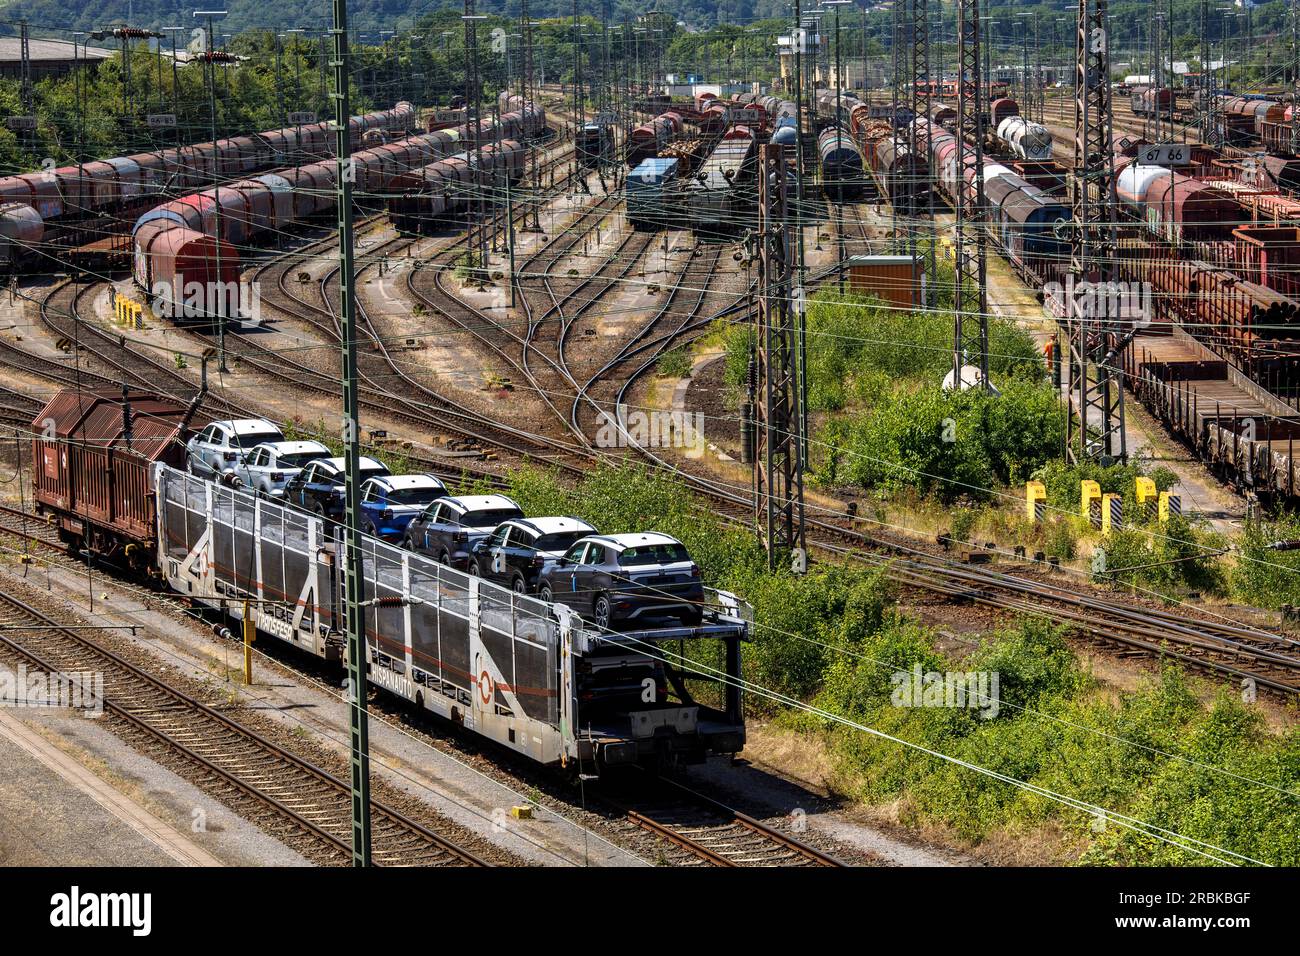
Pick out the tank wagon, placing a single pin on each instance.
(1026, 139)
(722, 194)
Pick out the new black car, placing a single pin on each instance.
(449, 528)
(612, 578)
(517, 550)
(319, 486)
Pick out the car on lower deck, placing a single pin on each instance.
(449, 528)
(517, 550)
(620, 578)
(319, 486)
(389, 503)
(271, 465)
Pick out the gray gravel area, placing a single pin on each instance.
(43, 813)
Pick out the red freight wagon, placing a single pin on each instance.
(93, 458)
(1270, 256)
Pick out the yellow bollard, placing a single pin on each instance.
(1169, 504)
(1146, 495)
(1112, 513)
(1090, 493)
(1035, 500)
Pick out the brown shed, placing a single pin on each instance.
(92, 472)
(896, 280)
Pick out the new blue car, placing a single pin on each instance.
(388, 503)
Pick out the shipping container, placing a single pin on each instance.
(896, 280)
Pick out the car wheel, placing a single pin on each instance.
(546, 594)
(445, 558)
(519, 585)
(693, 618)
(601, 612)
(318, 509)
(472, 569)
(371, 530)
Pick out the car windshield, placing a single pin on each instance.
(558, 541)
(488, 517)
(299, 460)
(249, 439)
(413, 496)
(654, 554)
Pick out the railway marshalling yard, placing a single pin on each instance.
(190, 765)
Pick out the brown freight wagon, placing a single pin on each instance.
(92, 468)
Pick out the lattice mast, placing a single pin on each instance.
(778, 471)
(921, 134)
(971, 326)
(1094, 387)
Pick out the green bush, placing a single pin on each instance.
(1267, 578)
(951, 444)
(856, 342)
(834, 636)
(675, 363)
(1168, 559)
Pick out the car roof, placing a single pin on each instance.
(337, 463)
(634, 540)
(399, 482)
(553, 524)
(293, 447)
(479, 502)
(248, 426)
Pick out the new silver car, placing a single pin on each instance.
(270, 465)
(217, 449)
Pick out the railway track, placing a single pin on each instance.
(389, 388)
(134, 366)
(285, 795)
(702, 831)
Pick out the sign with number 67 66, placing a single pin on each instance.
(1165, 154)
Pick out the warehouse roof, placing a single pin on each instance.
(11, 50)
